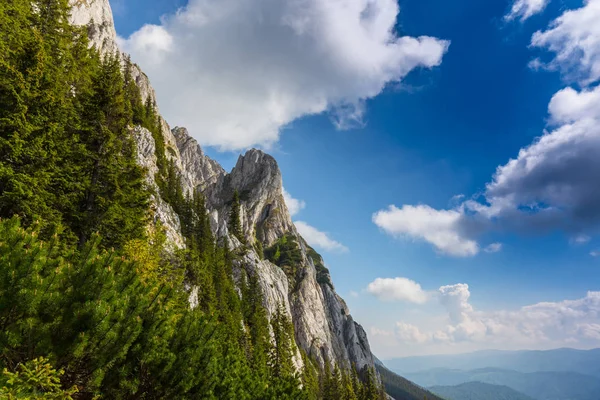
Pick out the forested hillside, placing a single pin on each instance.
(478, 391)
(93, 300)
(402, 389)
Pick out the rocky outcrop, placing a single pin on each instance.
(97, 16)
(323, 326)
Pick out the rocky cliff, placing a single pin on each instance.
(323, 325)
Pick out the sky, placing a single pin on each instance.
(442, 156)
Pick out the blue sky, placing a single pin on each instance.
(416, 139)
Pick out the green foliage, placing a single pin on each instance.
(235, 224)
(66, 155)
(83, 281)
(36, 379)
(323, 276)
(285, 253)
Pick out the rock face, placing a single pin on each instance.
(323, 326)
(98, 17)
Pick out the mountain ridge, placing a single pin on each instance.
(322, 331)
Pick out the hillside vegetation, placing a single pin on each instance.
(402, 389)
(92, 299)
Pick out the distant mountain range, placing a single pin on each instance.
(567, 360)
(539, 385)
(562, 374)
(478, 391)
(400, 388)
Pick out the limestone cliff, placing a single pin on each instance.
(323, 325)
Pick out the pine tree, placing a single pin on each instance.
(115, 202)
(41, 56)
(235, 226)
(371, 389)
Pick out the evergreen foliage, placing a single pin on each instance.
(235, 224)
(66, 155)
(91, 303)
(401, 388)
(285, 253)
(36, 379)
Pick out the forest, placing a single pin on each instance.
(93, 300)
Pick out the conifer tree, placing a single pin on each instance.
(235, 225)
(115, 202)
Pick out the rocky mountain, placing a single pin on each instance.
(323, 325)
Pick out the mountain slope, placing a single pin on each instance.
(539, 385)
(478, 391)
(400, 388)
(323, 326)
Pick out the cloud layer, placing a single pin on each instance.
(318, 239)
(567, 322)
(553, 183)
(236, 72)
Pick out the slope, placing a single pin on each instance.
(478, 391)
(540, 385)
(400, 388)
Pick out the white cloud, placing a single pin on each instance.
(546, 324)
(353, 294)
(595, 253)
(236, 72)
(441, 228)
(574, 37)
(316, 238)
(397, 289)
(523, 9)
(493, 248)
(294, 205)
(550, 185)
(410, 333)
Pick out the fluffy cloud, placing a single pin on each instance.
(575, 39)
(547, 323)
(235, 72)
(397, 289)
(294, 205)
(552, 183)
(410, 333)
(523, 9)
(316, 238)
(442, 228)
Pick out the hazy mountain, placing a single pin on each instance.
(478, 391)
(400, 388)
(539, 385)
(568, 360)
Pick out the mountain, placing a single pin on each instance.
(567, 360)
(539, 385)
(400, 388)
(323, 325)
(478, 391)
(134, 266)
